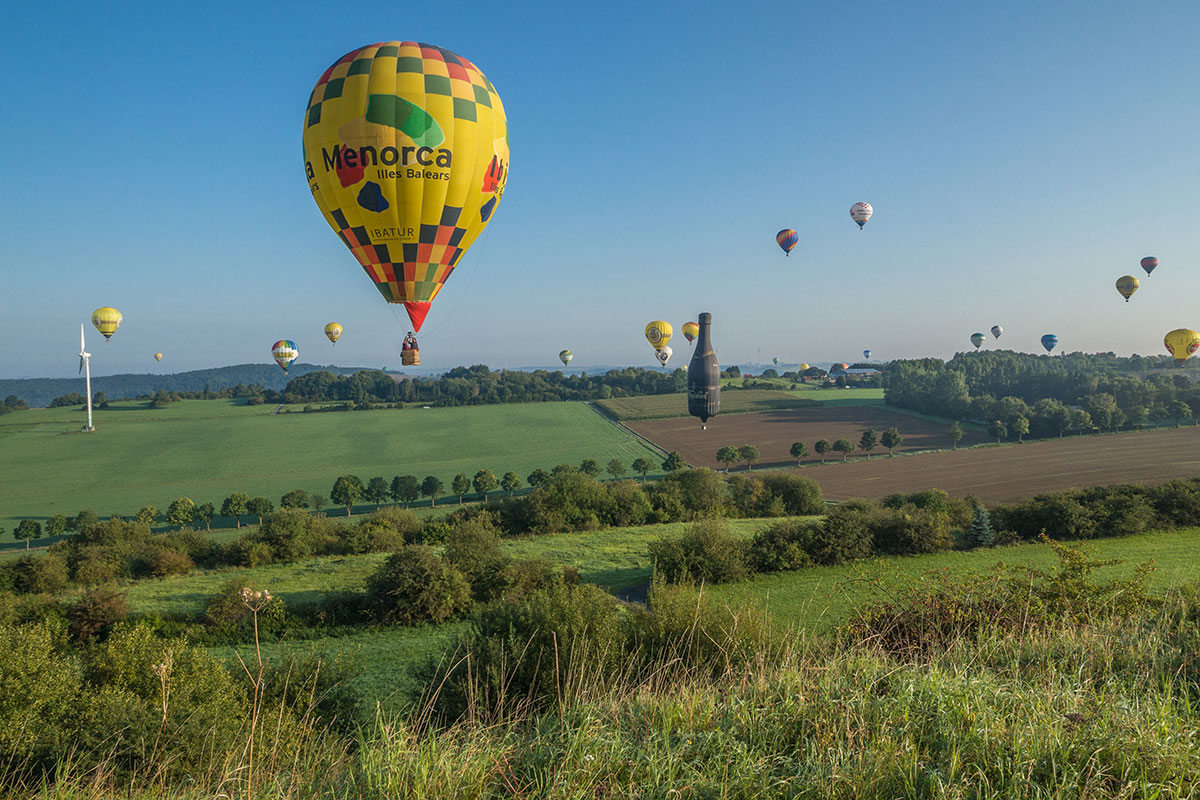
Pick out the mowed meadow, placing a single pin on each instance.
(208, 449)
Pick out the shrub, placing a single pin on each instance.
(703, 491)
(96, 612)
(38, 692)
(707, 553)
(1177, 503)
(781, 546)
(980, 534)
(910, 530)
(846, 533)
(522, 578)
(390, 529)
(39, 575)
(415, 585)
(1061, 516)
(164, 561)
(473, 548)
(287, 532)
(630, 505)
(229, 612)
(1124, 515)
(800, 495)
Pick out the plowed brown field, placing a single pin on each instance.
(773, 432)
(1000, 474)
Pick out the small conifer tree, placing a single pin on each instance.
(980, 534)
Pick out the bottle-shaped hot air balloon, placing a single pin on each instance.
(406, 155)
(1182, 343)
(860, 213)
(106, 320)
(565, 356)
(704, 375)
(333, 331)
(786, 239)
(284, 352)
(1149, 263)
(997, 330)
(690, 329)
(1127, 285)
(977, 339)
(1049, 341)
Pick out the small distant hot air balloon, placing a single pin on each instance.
(284, 352)
(664, 355)
(1127, 285)
(860, 213)
(804, 367)
(997, 330)
(775, 361)
(158, 356)
(658, 333)
(106, 320)
(787, 239)
(842, 366)
(1049, 341)
(977, 339)
(1149, 263)
(565, 356)
(333, 331)
(867, 355)
(1182, 343)
(690, 330)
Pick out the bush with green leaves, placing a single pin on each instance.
(782, 546)
(473, 548)
(910, 530)
(416, 585)
(846, 533)
(228, 611)
(95, 612)
(706, 553)
(39, 574)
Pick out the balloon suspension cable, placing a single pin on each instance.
(466, 289)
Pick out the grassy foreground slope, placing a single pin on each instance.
(206, 449)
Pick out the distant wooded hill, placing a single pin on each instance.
(40, 391)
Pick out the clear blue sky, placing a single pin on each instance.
(1020, 158)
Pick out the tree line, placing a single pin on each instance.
(869, 440)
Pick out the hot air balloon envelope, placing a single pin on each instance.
(565, 356)
(1182, 343)
(787, 239)
(663, 355)
(158, 356)
(106, 320)
(704, 375)
(775, 360)
(658, 333)
(997, 330)
(333, 331)
(1049, 341)
(860, 213)
(867, 355)
(977, 339)
(406, 155)
(690, 329)
(1127, 285)
(1149, 263)
(284, 352)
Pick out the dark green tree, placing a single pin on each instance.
(147, 514)
(616, 468)
(1020, 426)
(56, 525)
(296, 498)
(956, 433)
(347, 490)
(431, 487)
(749, 454)
(868, 442)
(181, 511)
(643, 466)
(980, 534)
(27, 529)
(1179, 411)
(376, 491)
(234, 506)
(673, 461)
(538, 478)
(484, 482)
(590, 467)
(510, 482)
(891, 439)
(728, 456)
(260, 507)
(821, 447)
(798, 450)
(843, 446)
(405, 489)
(997, 429)
(318, 501)
(205, 513)
(460, 486)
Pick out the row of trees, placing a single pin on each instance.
(869, 440)
(1039, 396)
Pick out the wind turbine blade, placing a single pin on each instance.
(81, 365)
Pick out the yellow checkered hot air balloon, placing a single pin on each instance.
(406, 154)
(106, 320)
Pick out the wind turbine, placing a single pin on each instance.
(85, 362)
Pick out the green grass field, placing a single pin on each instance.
(818, 598)
(734, 401)
(207, 449)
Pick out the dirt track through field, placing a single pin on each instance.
(1015, 472)
(773, 432)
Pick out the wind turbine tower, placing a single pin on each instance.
(85, 363)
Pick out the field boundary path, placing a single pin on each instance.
(608, 417)
(277, 410)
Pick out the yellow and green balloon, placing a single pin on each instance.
(406, 155)
(106, 320)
